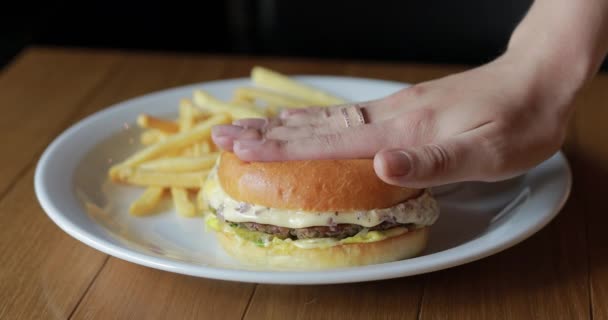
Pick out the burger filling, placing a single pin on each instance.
(339, 231)
(300, 226)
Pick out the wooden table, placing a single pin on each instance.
(559, 273)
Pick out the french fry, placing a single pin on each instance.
(163, 179)
(178, 154)
(200, 115)
(197, 149)
(170, 144)
(150, 122)
(205, 101)
(270, 97)
(193, 151)
(147, 202)
(269, 79)
(196, 112)
(186, 115)
(273, 110)
(245, 101)
(205, 147)
(151, 136)
(181, 164)
(182, 203)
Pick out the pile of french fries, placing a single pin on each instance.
(177, 154)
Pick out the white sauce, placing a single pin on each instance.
(421, 211)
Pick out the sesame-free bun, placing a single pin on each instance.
(403, 246)
(309, 185)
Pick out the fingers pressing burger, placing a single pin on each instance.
(357, 142)
(335, 116)
(225, 135)
(302, 143)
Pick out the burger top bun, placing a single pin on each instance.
(309, 185)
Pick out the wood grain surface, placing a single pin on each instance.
(559, 273)
(591, 162)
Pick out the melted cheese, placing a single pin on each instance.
(422, 211)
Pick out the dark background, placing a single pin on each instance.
(452, 32)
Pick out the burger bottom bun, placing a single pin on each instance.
(403, 246)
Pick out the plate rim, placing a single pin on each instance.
(374, 272)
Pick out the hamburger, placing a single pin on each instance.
(314, 214)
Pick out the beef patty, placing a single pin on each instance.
(339, 231)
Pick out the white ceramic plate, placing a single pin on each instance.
(477, 219)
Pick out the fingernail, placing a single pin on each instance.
(397, 163)
(247, 143)
(223, 142)
(251, 123)
(289, 112)
(226, 130)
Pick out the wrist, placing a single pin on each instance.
(553, 60)
(552, 77)
(564, 42)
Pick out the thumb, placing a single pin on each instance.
(432, 164)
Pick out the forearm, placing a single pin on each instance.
(573, 32)
(564, 41)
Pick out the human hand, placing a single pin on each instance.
(486, 124)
